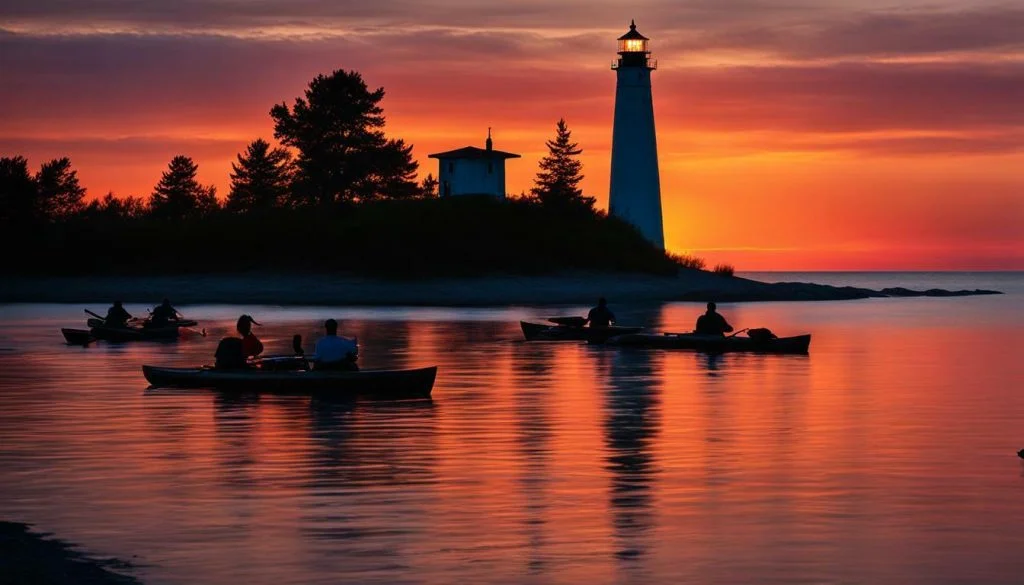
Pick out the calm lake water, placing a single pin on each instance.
(887, 455)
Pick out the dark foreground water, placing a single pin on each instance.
(885, 456)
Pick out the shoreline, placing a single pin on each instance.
(328, 289)
(27, 556)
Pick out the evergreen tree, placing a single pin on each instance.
(18, 192)
(59, 193)
(557, 183)
(343, 155)
(261, 179)
(179, 194)
(111, 207)
(428, 187)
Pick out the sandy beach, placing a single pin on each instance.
(325, 289)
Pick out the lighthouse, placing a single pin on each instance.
(635, 193)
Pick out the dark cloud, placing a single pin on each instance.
(845, 97)
(126, 150)
(884, 34)
(542, 14)
(142, 84)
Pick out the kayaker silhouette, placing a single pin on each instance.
(601, 315)
(251, 345)
(163, 314)
(117, 316)
(712, 323)
(233, 352)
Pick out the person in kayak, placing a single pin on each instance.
(712, 322)
(163, 314)
(117, 316)
(334, 352)
(251, 345)
(601, 315)
(234, 352)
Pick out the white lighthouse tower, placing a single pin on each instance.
(635, 194)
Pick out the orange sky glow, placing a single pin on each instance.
(827, 136)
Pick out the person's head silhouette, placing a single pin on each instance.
(712, 307)
(331, 326)
(245, 323)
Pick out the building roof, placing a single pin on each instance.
(633, 34)
(473, 152)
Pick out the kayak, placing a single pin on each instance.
(541, 332)
(411, 383)
(85, 336)
(179, 323)
(713, 343)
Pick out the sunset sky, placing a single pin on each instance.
(796, 134)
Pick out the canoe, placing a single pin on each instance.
(713, 343)
(414, 383)
(77, 336)
(85, 336)
(541, 332)
(182, 323)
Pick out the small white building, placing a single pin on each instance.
(472, 171)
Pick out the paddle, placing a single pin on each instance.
(193, 331)
(95, 315)
(738, 332)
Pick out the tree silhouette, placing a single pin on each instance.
(343, 155)
(111, 207)
(59, 193)
(179, 194)
(557, 182)
(261, 179)
(428, 187)
(18, 193)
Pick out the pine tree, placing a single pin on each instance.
(59, 193)
(557, 183)
(343, 155)
(428, 187)
(179, 194)
(261, 179)
(115, 208)
(18, 192)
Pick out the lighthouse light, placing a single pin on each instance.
(634, 46)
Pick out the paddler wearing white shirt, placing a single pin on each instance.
(334, 352)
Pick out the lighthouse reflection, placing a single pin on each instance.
(632, 423)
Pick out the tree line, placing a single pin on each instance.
(333, 152)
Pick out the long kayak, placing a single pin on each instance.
(413, 383)
(541, 332)
(134, 322)
(85, 336)
(713, 343)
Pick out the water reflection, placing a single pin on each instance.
(885, 456)
(533, 376)
(632, 420)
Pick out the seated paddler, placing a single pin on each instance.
(335, 352)
(712, 322)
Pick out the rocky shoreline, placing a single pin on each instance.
(30, 557)
(327, 289)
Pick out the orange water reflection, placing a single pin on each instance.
(884, 456)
